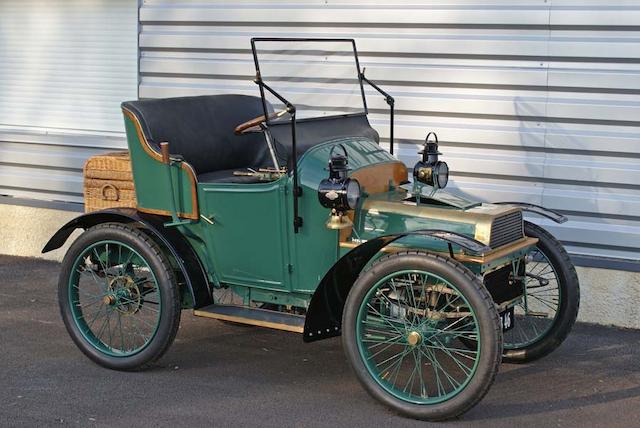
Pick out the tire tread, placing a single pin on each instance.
(489, 304)
(167, 270)
(537, 350)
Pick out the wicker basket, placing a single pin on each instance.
(108, 182)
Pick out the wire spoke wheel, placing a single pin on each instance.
(115, 298)
(227, 296)
(118, 297)
(550, 301)
(409, 330)
(539, 308)
(404, 326)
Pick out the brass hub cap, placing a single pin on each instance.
(414, 338)
(125, 295)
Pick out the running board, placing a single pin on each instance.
(253, 316)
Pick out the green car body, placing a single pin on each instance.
(241, 231)
(398, 264)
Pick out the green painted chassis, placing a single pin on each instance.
(242, 233)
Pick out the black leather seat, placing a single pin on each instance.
(319, 130)
(200, 129)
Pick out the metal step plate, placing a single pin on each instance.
(253, 316)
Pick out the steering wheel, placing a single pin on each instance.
(253, 124)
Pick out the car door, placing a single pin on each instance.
(247, 232)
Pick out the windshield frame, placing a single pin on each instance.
(262, 84)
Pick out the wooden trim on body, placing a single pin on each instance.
(379, 177)
(248, 321)
(165, 213)
(376, 179)
(143, 140)
(158, 157)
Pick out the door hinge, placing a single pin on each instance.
(290, 268)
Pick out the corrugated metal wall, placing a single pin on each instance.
(65, 66)
(534, 100)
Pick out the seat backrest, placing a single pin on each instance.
(201, 129)
(319, 130)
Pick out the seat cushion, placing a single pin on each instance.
(201, 129)
(227, 176)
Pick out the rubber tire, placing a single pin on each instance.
(488, 322)
(569, 299)
(169, 317)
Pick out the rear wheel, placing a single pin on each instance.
(118, 297)
(403, 323)
(550, 303)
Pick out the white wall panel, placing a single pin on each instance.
(532, 100)
(65, 67)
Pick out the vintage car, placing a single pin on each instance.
(263, 213)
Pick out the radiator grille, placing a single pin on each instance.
(506, 229)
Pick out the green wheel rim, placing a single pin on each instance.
(409, 328)
(114, 298)
(536, 315)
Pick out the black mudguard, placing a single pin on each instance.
(537, 209)
(324, 315)
(168, 237)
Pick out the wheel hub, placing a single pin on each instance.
(414, 338)
(124, 295)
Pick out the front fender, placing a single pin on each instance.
(324, 315)
(537, 209)
(169, 238)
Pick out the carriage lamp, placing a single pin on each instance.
(338, 192)
(430, 170)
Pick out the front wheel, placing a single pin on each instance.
(118, 297)
(402, 327)
(550, 301)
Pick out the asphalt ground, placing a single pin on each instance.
(222, 375)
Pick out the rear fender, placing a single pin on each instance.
(169, 238)
(324, 315)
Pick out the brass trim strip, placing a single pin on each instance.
(240, 320)
(156, 156)
(487, 258)
(506, 249)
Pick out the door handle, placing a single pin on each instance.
(207, 219)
